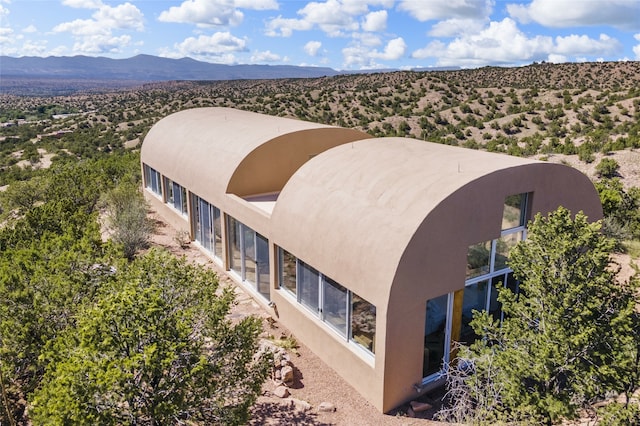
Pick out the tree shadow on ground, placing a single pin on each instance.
(269, 413)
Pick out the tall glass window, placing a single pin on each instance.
(249, 256)
(308, 279)
(363, 323)
(475, 299)
(288, 274)
(152, 180)
(176, 195)
(342, 310)
(335, 305)
(515, 211)
(206, 219)
(436, 337)
(235, 246)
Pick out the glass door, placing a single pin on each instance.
(262, 266)
(437, 336)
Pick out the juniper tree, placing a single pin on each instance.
(567, 339)
(155, 348)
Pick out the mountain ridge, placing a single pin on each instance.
(148, 68)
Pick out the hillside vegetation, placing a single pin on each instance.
(538, 109)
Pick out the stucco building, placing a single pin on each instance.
(373, 251)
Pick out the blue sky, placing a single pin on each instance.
(341, 34)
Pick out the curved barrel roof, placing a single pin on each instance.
(214, 150)
(357, 208)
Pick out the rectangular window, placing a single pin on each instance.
(288, 268)
(206, 220)
(263, 276)
(514, 213)
(334, 305)
(504, 244)
(235, 249)
(435, 335)
(308, 280)
(176, 195)
(478, 259)
(152, 180)
(474, 299)
(217, 236)
(363, 323)
(249, 256)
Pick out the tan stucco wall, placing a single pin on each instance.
(434, 262)
(175, 219)
(267, 168)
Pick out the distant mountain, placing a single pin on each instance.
(147, 68)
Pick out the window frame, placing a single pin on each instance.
(176, 196)
(214, 245)
(152, 180)
(241, 272)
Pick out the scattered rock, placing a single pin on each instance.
(300, 405)
(419, 407)
(411, 413)
(326, 407)
(287, 374)
(281, 391)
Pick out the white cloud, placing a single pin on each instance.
(95, 35)
(104, 20)
(447, 9)
(312, 47)
(123, 16)
(83, 4)
(556, 59)
(6, 36)
(503, 43)
(220, 47)
(583, 45)
(394, 50)
(333, 17)
(336, 18)
(101, 44)
(30, 29)
(500, 43)
(267, 56)
(81, 27)
(360, 56)
(375, 21)
(257, 4)
(285, 27)
(455, 27)
(203, 13)
(568, 13)
(367, 39)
